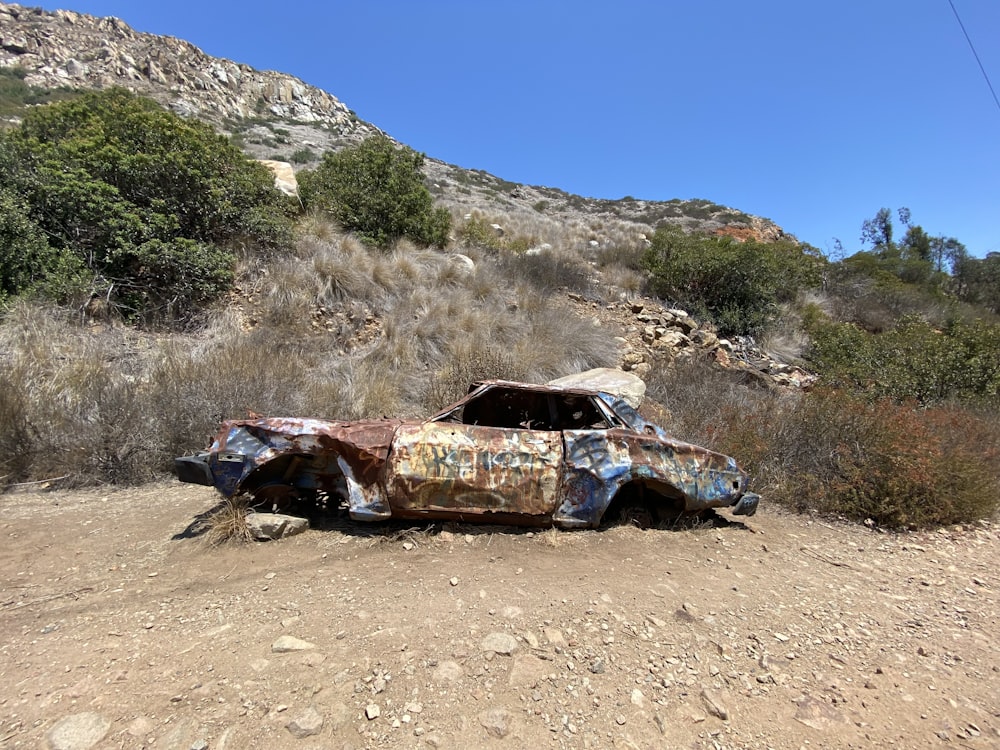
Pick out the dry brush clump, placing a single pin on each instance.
(895, 465)
(227, 523)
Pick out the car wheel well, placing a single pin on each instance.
(277, 486)
(644, 504)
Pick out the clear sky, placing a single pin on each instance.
(813, 113)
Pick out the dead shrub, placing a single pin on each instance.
(16, 439)
(228, 523)
(288, 299)
(553, 341)
(898, 465)
(548, 270)
(191, 389)
(622, 256)
(73, 400)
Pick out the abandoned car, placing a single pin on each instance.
(506, 453)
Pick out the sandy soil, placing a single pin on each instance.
(121, 630)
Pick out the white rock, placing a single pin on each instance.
(77, 732)
(500, 643)
(626, 386)
(287, 644)
(270, 526)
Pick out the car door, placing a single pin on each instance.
(457, 470)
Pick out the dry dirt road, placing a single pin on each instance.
(780, 631)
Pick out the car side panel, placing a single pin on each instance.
(458, 470)
(600, 462)
(597, 463)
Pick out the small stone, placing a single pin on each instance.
(288, 644)
(77, 732)
(500, 643)
(453, 580)
(714, 704)
(637, 698)
(372, 711)
(597, 666)
(554, 636)
(448, 671)
(407, 546)
(496, 722)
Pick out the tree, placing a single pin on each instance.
(947, 253)
(878, 230)
(149, 203)
(978, 280)
(376, 189)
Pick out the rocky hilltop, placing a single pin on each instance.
(64, 48)
(275, 115)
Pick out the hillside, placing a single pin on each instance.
(274, 114)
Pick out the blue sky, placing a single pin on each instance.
(812, 113)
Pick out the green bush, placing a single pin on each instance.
(477, 231)
(16, 95)
(302, 156)
(738, 285)
(151, 204)
(376, 189)
(913, 360)
(28, 264)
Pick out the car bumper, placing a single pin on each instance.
(194, 469)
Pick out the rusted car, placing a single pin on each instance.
(506, 453)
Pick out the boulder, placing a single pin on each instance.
(284, 176)
(630, 388)
(270, 526)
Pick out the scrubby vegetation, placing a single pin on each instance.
(127, 203)
(376, 189)
(738, 285)
(120, 221)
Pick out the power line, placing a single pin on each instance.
(974, 53)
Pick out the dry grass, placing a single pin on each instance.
(397, 331)
(228, 524)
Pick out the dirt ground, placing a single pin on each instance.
(122, 630)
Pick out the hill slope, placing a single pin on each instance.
(275, 114)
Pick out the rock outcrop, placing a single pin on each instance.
(64, 48)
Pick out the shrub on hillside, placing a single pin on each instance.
(913, 360)
(28, 263)
(833, 452)
(149, 203)
(376, 189)
(738, 285)
(900, 466)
